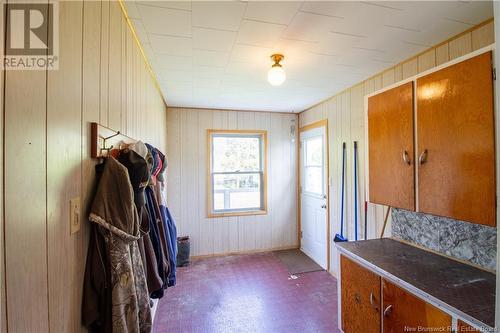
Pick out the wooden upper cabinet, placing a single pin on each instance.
(403, 312)
(360, 298)
(390, 135)
(455, 140)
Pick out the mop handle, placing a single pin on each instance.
(355, 190)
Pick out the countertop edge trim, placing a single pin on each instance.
(417, 292)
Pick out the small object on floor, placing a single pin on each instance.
(340, 237)
(297, 261)
(293, 277)
(184, 248)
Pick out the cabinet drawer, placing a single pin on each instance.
(360, 298)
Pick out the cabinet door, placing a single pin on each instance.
(403, 312)
(455, 140)
(390, 138)
(360, 298)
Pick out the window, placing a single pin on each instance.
(313, 166)
(237, 172)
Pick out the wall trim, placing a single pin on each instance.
(230, 110)
(148, 64)
(491, 19)
(467, 56)
(224, 254)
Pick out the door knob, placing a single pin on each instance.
(423, 157)
(406, 158)
(323, 206)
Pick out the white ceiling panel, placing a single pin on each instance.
(213, 40)
(166, 21)
(216, 54)
(175, 75)
(177, 86)
(258, 33)
(180, 46)
(279, 12)
(218, 15)
(249, 53)
(211, 83)
(210, 58)
(204, 72)
(312, 27)
(166, 61)
(183, 5)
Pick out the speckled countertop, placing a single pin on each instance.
(463, 290)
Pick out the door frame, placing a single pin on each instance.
(320, 123)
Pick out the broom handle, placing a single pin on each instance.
(385, 222)
(342, 192)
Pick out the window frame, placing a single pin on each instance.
(211, 213)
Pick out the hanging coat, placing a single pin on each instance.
(114, 212)
(139, 175)
(170, 228)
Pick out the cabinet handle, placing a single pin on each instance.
(323, 206)
(406, 158)
(387, 311)
(372, 301)
(423, 157)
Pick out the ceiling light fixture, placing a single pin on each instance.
(276, 75)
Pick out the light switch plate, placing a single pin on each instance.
(74, 215)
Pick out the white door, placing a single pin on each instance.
(313, 194)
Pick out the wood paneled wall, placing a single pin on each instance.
(186, 190)
(102, 77)
(346, 118)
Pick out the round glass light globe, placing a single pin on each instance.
(276, 75)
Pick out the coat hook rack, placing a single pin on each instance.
(104, 148)
(101, 136)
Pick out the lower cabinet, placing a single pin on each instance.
(463, 327)
(360, 298)
(403, 312)
(371, 304)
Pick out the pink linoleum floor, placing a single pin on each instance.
(247, 293)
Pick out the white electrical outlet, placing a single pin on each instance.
(74, 215)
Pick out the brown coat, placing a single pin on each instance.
(114, 212)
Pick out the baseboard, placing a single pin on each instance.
(244, 252)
